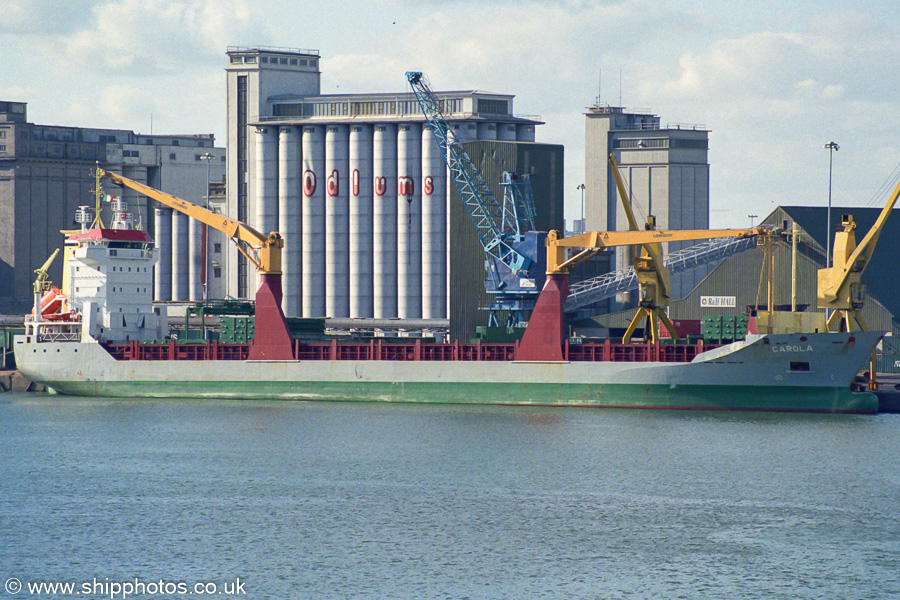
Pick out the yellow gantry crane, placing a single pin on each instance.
(654, 281)
(840, 290)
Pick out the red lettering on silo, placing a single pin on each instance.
(406, 186)
(333, 184)
(309, 183)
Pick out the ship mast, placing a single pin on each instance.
(98, 197)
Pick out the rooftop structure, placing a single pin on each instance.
(666, 170)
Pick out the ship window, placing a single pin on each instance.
(800, 366)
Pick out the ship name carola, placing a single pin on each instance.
(786, 348)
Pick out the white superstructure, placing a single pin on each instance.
(107, 286)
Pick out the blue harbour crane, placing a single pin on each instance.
(513, 250)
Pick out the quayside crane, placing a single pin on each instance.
(840, 290)
(273, 338)
(505, 228)
(545, 333)
(654, 279)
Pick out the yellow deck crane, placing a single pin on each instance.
(544, 335)
(273, 339)
(840, 290)
(42, 283)
(654, 281)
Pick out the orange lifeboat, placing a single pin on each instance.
(51, 301)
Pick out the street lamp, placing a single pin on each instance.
(751, 220)
(831, 147)
(205, 242)
(581, 187)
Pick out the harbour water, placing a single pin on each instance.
(352, 500)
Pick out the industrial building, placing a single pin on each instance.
(46, 174)
(356, 186)
(738, 284)
(544, 165)
(666, 173)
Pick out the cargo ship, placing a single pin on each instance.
(102, 336)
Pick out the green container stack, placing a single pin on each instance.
(723, 329)
(237, 330)
(498, 335)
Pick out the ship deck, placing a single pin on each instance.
(378, 349)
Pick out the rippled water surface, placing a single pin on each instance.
(347, 500)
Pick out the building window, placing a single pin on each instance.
(250, 59)
(235, 59)
(694, 144)
(263, 59)
(2, 133)
(171, 156)
(294, 62)
(493, 107)
(283, 61)
(217, 248)
(217, 272)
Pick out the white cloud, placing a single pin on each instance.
(151, 36)
(44, 16)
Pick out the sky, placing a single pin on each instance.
(772, 81)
